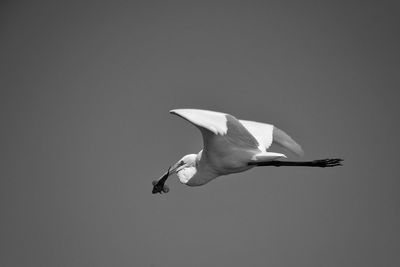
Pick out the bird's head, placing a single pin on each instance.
(185, 168)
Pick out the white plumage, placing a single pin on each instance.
(262, 132)
(231, 146)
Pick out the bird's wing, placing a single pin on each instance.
(266, 134)
(263, 132)
(212, 121)
(221, 132)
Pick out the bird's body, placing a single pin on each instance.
(230, 146)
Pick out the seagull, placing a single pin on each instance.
(230, 146)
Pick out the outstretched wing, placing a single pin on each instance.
(215, 122)
(267, 133)
(263, 132)
(222, 133)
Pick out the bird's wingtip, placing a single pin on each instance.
(300, 153)
(182, 111)
(176, 110)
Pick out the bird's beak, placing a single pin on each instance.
(176, 167)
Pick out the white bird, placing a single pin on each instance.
(231, 146)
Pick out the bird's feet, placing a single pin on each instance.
(159, 187)
(327, 162)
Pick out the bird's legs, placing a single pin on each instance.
(314, 163)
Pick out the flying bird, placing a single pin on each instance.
(231, 146)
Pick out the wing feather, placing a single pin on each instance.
(262, 132)
(216, 122)
(266, 134)
(223, 134)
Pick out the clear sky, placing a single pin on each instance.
(85, 92)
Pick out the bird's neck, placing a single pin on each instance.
(203, 173)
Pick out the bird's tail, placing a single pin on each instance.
(283, 139)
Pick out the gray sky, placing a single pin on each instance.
(85, 94)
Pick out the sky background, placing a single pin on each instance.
(85, 92)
